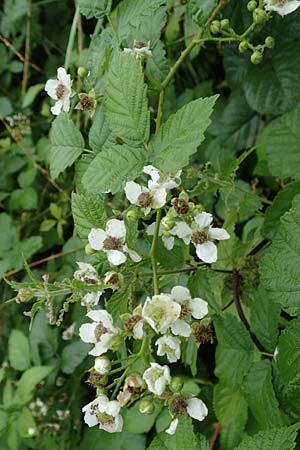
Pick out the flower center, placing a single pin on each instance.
(180, 206)
(112, 243)
(178, 406)
(100, 330)
(203, 334)
(199, 237)
(86, 103)
(60, 91)
(185, 310)
(131, 322)
(139, 44)
(95, 379)
(145, 199)
(105, 418)
(280, 2)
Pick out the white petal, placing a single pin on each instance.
(159, 198)
(207, 252)
(101, 315)
(96, 238)
(116, 257)
(218, 233)
(112, 408)
(183, 231)
(153, 172)
(138, 330)
(203, 219)
(91, 299)
(172, 427)
(102, 365)
(56, 109)
(198, 307)
(64, 77)
(132, 191)
(116, 228)
(50, 88)
(180, 293)
(87, 333)
(168, 242)
(133, 255)
(181, 328)
(196, 409)
(66, 103)
(101, 347)
(90, 418)
(115, 426)
(150, 229)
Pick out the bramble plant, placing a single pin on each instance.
(184, 303)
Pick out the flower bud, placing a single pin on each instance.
(102, 365)
(269, 42)
(243, 46)
(256, 57)
(184, 196)
(82, 71)
(225, 24)
(101, 391)
(167, 223)
(259, 15)
(89, 250)
(215, 27)
(132, 215)
(146, 407)
(251, 5)
(176, 384)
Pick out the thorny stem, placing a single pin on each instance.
(236, 298)
(27, 48)
(152, 252)
(71, 38)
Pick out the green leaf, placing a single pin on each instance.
(259, 393)
(18, 350)
(268, 87)
(232, 412)
(288, 358)
(88, 213)
(138, 423)
(43, 338)
(28, 381)
(126, 105)
(31, 94)
(25, 422)
(95, 439)
(178, 138)
(67, 144)
(94, 8)
(184, 438)
(118, 304)
(112, 167)
(281, 138)
(279, 267)
(234, 353)
(99, 131)
(72, 355)
(47, 225)
(274, 439)
(26, 198)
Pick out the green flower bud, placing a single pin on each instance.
(269, 42)
(101, 391)
(259, 15)
(146, 407)
(89, 250)
(225, 24)
(167, 223)
(251, 5)
(215, 27)
(256, 57)
(176, 384)
(132, 215)
(184, 196)
(82, 71)
(243, 46)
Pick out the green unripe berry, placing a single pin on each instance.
(89, 250)
(132, 215)
(269, 42)
(251, 5)
(259, 15)
(243, 46)
(215, 27)
(225, 24)
(256, 57)
(176, 384)
(82, 71)
(146, 407)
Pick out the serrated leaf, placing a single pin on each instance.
(72, 355)
(178, 138)
(94, 8)
(99, 131)
(67, 144)
(118, 304)
(282, 137)
(274, 439)
(234, 353)
(178, 441)
(231, 410)
(279, 267)
(88, 213)
(18, 350)
(28, 381)
(259, 393)
(126, 105)
(111, 168)
(288, 358)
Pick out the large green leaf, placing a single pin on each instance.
(234, 353)
(94, 8)
(178, 138)
(88, 212)
(279, 267)
(67, 144)
(112, 167)
(281, 139)
(28, 381)
(99, 131)
(274, 439)
(72, 355)
(126, 105)
(18, 350)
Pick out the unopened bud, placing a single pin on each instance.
(225, 24)
(259, 15)
(269, 42)
(167, 223)
(146, 407)
(176, 384)
(101, 391)
(256, 57)
(132, 215)
(243, 46)
(251, 5)
(82, 71)
(102, 365)
(89, 250)
(215, 27)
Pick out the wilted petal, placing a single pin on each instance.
(172, 427)
(133, 255)
(56, 109)
(207, 252)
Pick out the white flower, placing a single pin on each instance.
(145, 198)
(132, 386)
(196, 409)
(91, 299)
(38, 408)
(172, 427)
(69, 332)
(31, 431)
(167, 240)
(161, 181)
(140, 49)
(60, 90)
(170, 346)
(196, 307)
(86, 273)
(157, 378)
(282, 7)
(161, 312)
(112, 242)
(102, 365)
(100, 332)
(105, 413)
